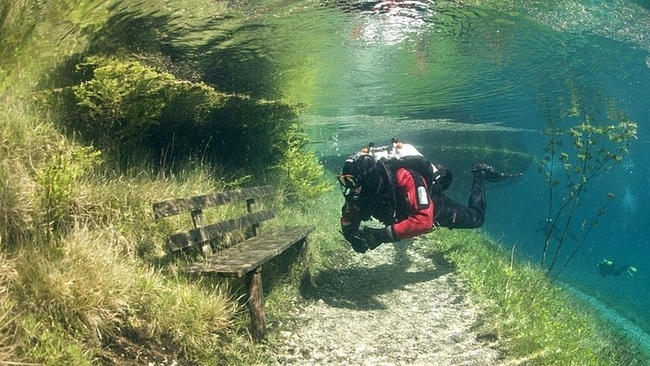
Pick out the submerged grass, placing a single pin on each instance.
(7, 303)
(70, 293)
(537, 321)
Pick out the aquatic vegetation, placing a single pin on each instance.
(299, 171)
(593, 149)
(538, 321)
(78, 263)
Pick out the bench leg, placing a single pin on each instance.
(306, 280)
(256, 303)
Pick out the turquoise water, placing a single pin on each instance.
(468, 83)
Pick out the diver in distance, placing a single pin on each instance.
(606, 268)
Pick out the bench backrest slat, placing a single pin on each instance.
(200, 235)
(182, 205)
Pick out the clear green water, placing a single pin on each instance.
(470, 83)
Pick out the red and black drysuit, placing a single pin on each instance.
(407, 207)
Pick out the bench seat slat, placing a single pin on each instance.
(193, 237)
(242, 258)
(181, 205)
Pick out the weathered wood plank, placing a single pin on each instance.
(182, 205)
(256, 303)
(242, 258)
(201, 235)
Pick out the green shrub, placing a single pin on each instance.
(121, 103)
(133, 111)
(59, 180)
(301, 174)
(248, 133)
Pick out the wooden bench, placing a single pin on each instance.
(244, 258)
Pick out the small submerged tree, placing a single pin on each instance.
(574, 158)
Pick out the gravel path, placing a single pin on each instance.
(391, 306)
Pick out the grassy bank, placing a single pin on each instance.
(84, 274)
(539, 323)
(92, 286)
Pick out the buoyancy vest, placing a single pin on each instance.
(388, 207)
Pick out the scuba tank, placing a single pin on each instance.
(400, 155)
(396, 150)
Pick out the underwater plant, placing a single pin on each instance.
(568, 169)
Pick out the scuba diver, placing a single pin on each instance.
(606, 268)
(397, 186)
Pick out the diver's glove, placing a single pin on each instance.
(356, 237)
(375, 237)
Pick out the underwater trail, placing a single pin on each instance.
(390, 306)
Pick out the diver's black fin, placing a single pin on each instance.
(493, 175)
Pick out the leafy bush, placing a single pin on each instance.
(59, 180)
(249, 133)
(131, 110)
(120, 105)
(300, 171)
